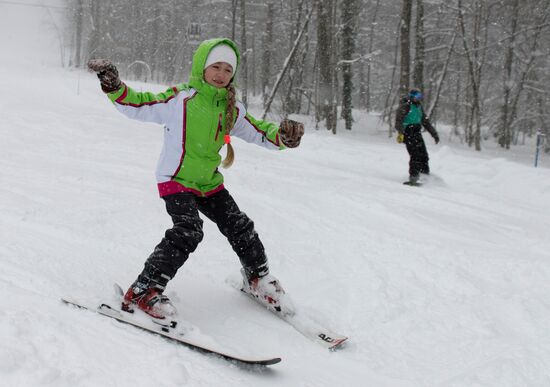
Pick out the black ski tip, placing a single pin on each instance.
(70, 302)
(266, 362)
(244, 362)
(273, 361)
(240, 361)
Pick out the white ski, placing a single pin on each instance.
(303, 323)
(168, 331)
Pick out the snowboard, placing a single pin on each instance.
(413, 184)
(166, 329)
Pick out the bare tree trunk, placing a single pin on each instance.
(253, 65)
(291, 100)
(389, 103)
(333, 117)
(505, 132)
(325, 53)
(405, 33)
(266, 56)
(472, 56)
(138, 44)
(154, 41)
(95, 36)
(457, 110)
(233, 18)
(349, 10)
(419, 57)
(442, 76)
(286, 64)
(244, 55)
(366, 94)
(528, 67)
(78, 37)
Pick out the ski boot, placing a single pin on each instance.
(268, 291)
(150, 301)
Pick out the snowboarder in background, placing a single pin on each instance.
(199, 118)
(409, 120)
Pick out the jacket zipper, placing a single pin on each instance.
(219, 127)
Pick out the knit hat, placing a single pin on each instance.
(416, 94)
(222, 53)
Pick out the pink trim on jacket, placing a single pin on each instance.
(276, 142)
(172, 187)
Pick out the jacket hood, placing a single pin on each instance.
(196, 80)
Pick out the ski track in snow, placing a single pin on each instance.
(443, 285)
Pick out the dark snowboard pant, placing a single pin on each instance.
(185, 235)
(418, 153)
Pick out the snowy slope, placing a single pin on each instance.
(444, 285)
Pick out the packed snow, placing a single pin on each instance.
(447, 284)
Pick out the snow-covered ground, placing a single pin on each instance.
(443, 285)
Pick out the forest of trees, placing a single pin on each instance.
(484, 65)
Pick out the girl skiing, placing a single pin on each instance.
(199, 118)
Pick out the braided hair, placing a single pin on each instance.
(229, 120)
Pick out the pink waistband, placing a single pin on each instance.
(172, 187)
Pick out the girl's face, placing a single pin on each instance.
(218, 74)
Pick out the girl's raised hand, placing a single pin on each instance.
(107, 73)
(291, 132)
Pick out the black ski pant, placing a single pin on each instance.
(418, 153)
(186, 233)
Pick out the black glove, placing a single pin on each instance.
(291, 133)
(436, 138)
(107, 74)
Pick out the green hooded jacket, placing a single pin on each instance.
(193, 115)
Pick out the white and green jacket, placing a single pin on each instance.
(193, 116)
